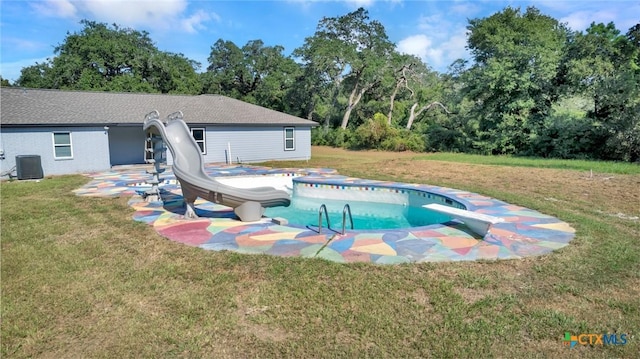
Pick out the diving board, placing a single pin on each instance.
(479, 223)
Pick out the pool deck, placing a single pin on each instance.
(524, 233)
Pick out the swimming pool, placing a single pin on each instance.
(372, 207)
(303, 211)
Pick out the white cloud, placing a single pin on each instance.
(455, 46)
(622, 18)
(433, 23)
(360, 3)
(418, 45)
(23, 44)
(437, 53)
(577, 20)
(55, 8)
(581, 20)
(579, 15)
(149, 13)
(464, 9)
(195, 22)
(441, 40)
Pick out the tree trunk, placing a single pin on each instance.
(354, 98)
(334, 102)
(413, 115)
(311, 107)
(393, 98)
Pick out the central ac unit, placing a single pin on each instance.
(28, 167)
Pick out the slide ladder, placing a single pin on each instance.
(155, 154)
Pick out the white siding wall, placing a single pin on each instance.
(90, 146)
(254, 144)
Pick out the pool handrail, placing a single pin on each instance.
(323, 208)
(346, 209)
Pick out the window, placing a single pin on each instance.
(62, 145)
(198, 135)
(289, 139)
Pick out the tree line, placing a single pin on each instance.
(532, 86)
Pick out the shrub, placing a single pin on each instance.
(336, 137)
(564, 136)
(404, 140)
(371, 133)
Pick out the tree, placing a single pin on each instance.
(254, 73)
(601, 64)
(36, 76)
(415, 114)
(517, 56)
(426, 89)
(106, 58)
(307, 95)
(633, 36)
(407, 70)
(225, 73)
(351, 51)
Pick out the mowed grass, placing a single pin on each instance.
(579, 165)
(81, 279)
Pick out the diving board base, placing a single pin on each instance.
(477, 222)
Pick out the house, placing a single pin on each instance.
(79, 132)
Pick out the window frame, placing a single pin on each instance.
(204, 138)
(292, 139)
(58, 145)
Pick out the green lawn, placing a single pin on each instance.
(579, 165)
(81, 279)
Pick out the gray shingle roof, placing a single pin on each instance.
(25, 107)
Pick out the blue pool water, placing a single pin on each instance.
(303, 211)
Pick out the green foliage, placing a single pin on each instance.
(601, 64)
(565, 136)
(375, 133)
(36, 76)
(349, 53)
(336, 137)
(113, 59)
(254, 73)
(512, 83)
(514, 97)
(404, 140)
(525, 63)
(4, 82)
(439, 138)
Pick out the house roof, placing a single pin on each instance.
(40, 107)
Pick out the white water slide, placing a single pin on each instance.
(188, 167)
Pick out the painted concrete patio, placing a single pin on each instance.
(524, 233)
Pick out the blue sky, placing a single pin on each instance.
(432, 30)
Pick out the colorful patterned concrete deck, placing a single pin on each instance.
(524, 233)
